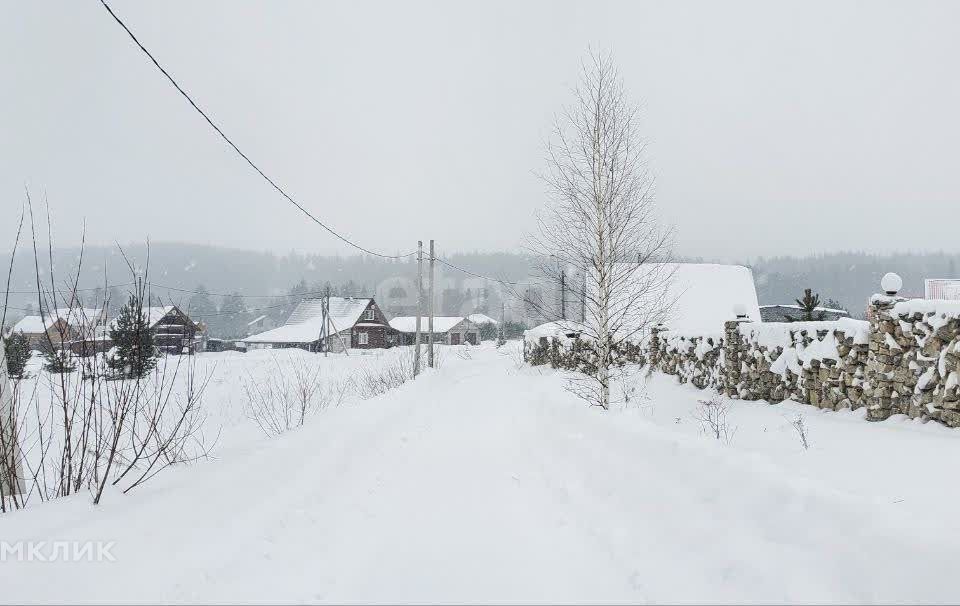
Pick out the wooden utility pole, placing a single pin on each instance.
(563, 294)
(583, 298)
(326, 321)
(430, 305)
(500, 339)
(416, 343)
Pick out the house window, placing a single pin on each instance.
(369, 314)
(363, 338)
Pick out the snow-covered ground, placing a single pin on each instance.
(488, 481)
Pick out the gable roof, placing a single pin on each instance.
(440, 323)
(481, 319)
(154, 314)
(700, 297)
(76, 317)
(707, 295)
(306, 322)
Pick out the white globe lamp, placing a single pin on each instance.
(891, 283)
(740, 311)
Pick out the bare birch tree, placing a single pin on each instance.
(600, 227)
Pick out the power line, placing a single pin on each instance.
(220, 294)
(476, 275)
(237, 149)
(177, 289)
(69, 289)
(273, 183)
(232, 313)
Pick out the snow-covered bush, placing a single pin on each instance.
(86, 433)
(285, 398)
(379, 378)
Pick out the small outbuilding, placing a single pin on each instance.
(448, 330)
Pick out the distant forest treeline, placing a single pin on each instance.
(847, 277)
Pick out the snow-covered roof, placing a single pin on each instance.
(440, 323)
(693, 298)
(33, 324)
(306, 322)
(151, 314)
(481, 319)
(795, 306)
(563, 330)
(706, 295)
(76, 317)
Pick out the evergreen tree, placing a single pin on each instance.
(200, 303)
(233, 316)
(201, 307)
(59, 360)
(834, 304)
(114, 301)
(808, 307)
(134, 352)
(17, 350)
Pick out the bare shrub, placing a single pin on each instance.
(66, 432)
(630, 390)
(514, 350)
(285, 399)
(379, 379)
(712, 416)
(800, 426)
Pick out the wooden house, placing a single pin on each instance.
(352, 323)
(173, 330)
(60, 327)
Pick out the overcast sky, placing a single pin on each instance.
(774, 128)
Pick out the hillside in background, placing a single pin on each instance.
(847, 277)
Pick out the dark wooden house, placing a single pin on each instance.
(352, 323)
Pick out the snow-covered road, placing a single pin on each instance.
(485, 482)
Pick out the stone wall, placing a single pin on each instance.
(819, 363)
(904, 360)
(695, 359)
(914, 365)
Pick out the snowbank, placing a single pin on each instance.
(481, 482)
